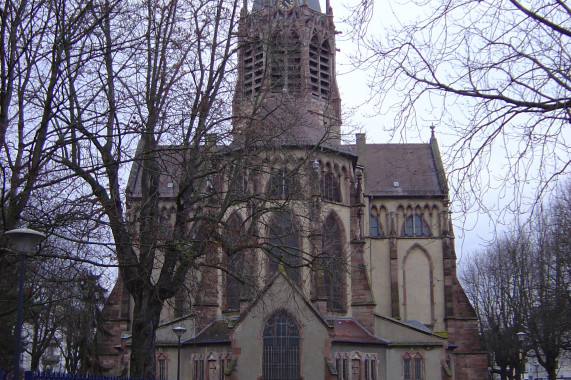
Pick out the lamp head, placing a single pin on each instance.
(179, 331)
(25, 239)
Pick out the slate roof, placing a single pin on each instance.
(351, 331)
(313, 4)
(402, 170)
(391, 170)
(215, 332)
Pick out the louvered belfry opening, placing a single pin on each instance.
(253, 67)
(284, 57)
(320, 68)
(281, 348)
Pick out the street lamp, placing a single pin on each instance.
(179, 331)
(521, 339)
(24, 241)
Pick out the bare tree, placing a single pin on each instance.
(548, 324)
(521, 284)
(495, 73)
(498, 282)
(33, 35)
(101, 87)
(76, 334)
(164, 79)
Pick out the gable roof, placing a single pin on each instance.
(281, 273)
(402, 170)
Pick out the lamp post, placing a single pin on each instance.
(179, 331)
(24, 241)
(521, 339)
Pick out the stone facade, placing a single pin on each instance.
(380, 299)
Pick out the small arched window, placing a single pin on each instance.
(375, 229)
(330, 188)
(413, 367)
(282, 185)
(280, 359)
(415, 226)
(238, 186)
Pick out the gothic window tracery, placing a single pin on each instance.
(238, 185)
(199, 367)
(375, 228)
(330, 187)
(415, 226)
(181, 302)
(162, 366)
(282, 185)
(413, 366)
(342, 366)
(281, 349)
(284, 247)
(333, 264)
(235, 264)
(370, 365)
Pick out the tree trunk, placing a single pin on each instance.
(552, 373)
(146, 315)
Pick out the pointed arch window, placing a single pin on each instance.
(320, 68)
(282, 185)
(253, 67)
(235, 264)
(238, 185)
(281, 348)
(161, 367)
(284, 246)
(370, 367)
(181, 302)
(415, 226)
(333, 264)
(285, 63)
(413, 367)
(375, 229)
(330, 188)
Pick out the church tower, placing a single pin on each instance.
(286, 87)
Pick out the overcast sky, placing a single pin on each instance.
(472, 232)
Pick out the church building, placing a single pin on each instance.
(354, 275)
